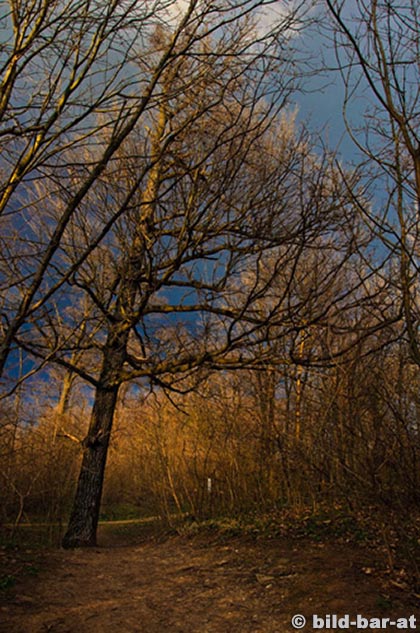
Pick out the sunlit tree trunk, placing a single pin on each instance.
(84, 518)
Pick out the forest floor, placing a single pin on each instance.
(205, 583)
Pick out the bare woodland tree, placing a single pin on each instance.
(377, 47)
(67, 70)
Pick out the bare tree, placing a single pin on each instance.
(377, 47)
(67, 71)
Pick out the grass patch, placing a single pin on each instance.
(120, 512)
(133, 531)
(318, 526)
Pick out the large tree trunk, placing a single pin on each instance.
(83, 522)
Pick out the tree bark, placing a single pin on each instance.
(83, 523)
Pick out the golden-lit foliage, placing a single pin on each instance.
(243, 441)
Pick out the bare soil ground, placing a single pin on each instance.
(203, 584)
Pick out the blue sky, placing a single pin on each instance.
(320, 105)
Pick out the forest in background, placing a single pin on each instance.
(196, 291)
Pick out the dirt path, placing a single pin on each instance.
(199, 586)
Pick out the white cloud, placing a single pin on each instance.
(267, 13)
